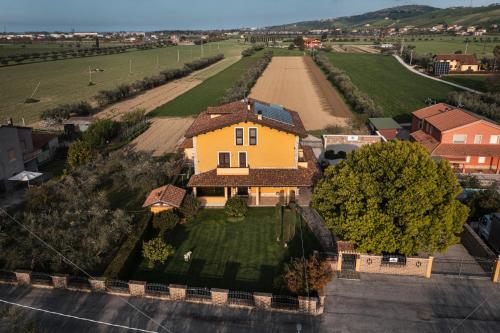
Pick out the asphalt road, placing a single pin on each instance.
(373, 304)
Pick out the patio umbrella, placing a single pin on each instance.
(26, 176)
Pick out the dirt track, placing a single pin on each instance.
(156, 97)
(163, 135)
(298, 84)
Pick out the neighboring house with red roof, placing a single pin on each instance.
(459, 62)
(312, 43)
(471, 143)
(165, 198)
(250, 149)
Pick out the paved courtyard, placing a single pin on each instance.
(373, 304)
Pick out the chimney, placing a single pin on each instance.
(9, 122)
(259, 115)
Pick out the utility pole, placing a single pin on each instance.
(90, 76)
(201, 48)
(157, 62)
(466, 47)
(402, 47)
(411, 57)
(130, 66)
(179, 55)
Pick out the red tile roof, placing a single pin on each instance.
(204, 123)
(432, 110)
(464, 59)
(263, 177)
(467, 150)
(451, 119)
(428, 141)
(41, 139)
(168, 194)
(187, 143)
(227, 108)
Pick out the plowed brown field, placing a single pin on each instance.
(299, 85)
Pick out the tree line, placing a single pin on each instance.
(251, 50)
(123, 91)
(360, 101)
(241, 88)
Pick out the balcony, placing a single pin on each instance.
(232, 171)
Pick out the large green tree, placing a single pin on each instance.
(392, 197)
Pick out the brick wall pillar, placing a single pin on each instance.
(428, 273)
(339, 262)
(23, 277)
(308, 304)
(98, 284)
(177, 292)
(495, 277)
(358, 263)
(137, 288)
(219, 296)
(262, 300)
(60, 280)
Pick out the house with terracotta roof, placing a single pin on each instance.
(250, 149)
(456, 63)
(165, 198)
(471, 143)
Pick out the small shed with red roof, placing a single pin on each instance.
(165, 198)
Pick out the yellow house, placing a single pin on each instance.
(459, 62)
(250, 149)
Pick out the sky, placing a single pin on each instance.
(148, 15)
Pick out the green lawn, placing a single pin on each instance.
(235, 255)
(66, 81)
(391, 86)
(477, 82)
(451, 45)
(209, 92)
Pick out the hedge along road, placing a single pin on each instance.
(66, 81)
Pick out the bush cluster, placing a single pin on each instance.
(236, 207)
(242, 87)
(360, 101)
(251, 50)
(487, 105)
(123, 91)
(61, 112)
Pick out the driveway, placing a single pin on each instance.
(376, 303)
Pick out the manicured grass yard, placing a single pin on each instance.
(391, 86)
(235, 255)
(477, 82)
(208, 93)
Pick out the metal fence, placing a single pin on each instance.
(117, 285)
(41, 278)
(195, 293)
(240, 298)
(460, 267)
(285, 302)
(157, 289)
(7, 276)
(78, 282)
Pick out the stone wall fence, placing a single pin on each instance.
(221, 297)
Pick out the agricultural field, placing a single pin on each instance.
(8, 49)
(451, 45)
(66, 81)
(476, 82)
(391, 86)
(208, 93)
(299, 85)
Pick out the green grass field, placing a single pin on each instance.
(234, 255)
(477, 82)
(66, 81)
(7, 49)
(208, 93)
(391, 86)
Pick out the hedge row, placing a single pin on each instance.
(130, 251)
(251, 50)
(242, 87)
(487, 105)
(360, 101)
(123, 91)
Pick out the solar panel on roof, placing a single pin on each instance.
(274, 112)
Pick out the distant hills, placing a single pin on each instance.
(416, 15)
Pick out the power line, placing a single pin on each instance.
(76, 317)
(78, 268)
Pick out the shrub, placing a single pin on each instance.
(156, 251)
(190, 206)
(79, 153)
(319, 274)
(165, 220)
(64, 111)
(100, 132)
(236, 207)
(134, 117)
